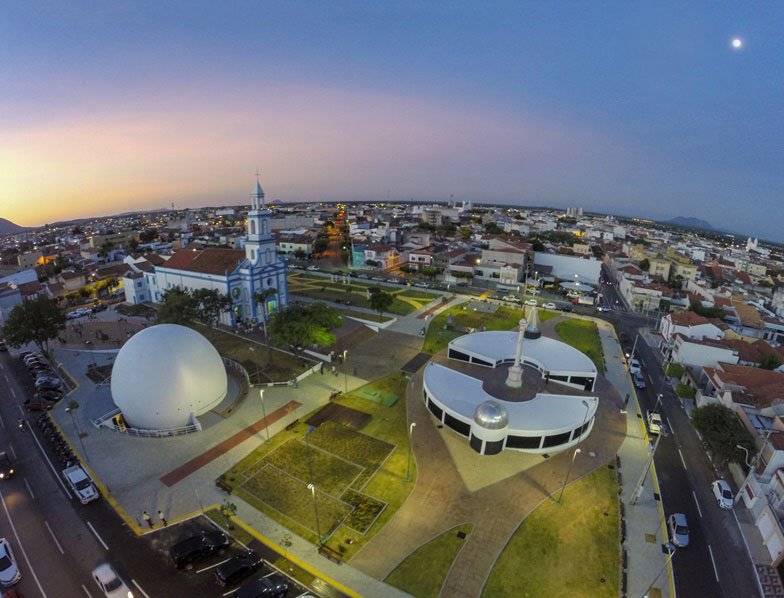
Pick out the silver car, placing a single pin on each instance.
(9, 572)
(679, 530)
(723, 494)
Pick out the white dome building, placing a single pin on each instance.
(166, 375)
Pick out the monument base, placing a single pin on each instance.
(515, 377)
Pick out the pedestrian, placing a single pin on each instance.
(162, 518)
(147, 518)
(334, 370)
(321, 368)
(355, 372)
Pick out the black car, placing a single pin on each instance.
(49, 384)
(49, 395)
(99, 307)
(238, 568)
(198, 547)
(272, 586)
(3, 347)
(6, 467)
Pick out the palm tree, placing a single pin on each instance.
(261, 298)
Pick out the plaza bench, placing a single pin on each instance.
(332, 555)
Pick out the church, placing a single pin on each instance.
(238, 275)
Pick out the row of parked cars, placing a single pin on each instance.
(49, 386)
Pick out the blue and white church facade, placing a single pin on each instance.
(236, 274)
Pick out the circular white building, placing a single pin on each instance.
(165, 376)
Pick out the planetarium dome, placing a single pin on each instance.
(165, 375)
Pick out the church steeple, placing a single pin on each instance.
(259, 244)
(257, 196)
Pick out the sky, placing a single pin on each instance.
(638, 109)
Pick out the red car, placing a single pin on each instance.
(38, 404)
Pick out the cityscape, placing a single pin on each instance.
(391, 320)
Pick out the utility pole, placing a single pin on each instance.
(644, 474)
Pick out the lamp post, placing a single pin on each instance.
(89, 344)
(574, 456)
(345, 369)
(638, 487)
(264, 413)
(672, 549)
(745, 450)
(408, 462)
(73, 406)
(256, 360)
(312, 489)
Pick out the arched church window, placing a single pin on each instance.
(252, 227)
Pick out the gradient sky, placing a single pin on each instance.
(626, 107)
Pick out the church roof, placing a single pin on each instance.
(211, 260)
(257, 190)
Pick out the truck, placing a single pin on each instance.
(81, 483)
(654, 423)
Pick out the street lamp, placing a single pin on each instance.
(408, 463)
(73, 406)
(568, 471)
(745, 450)
(256, 360)
(264, 413)
(345, 369)
(312, 489)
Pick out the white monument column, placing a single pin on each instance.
(515, 377)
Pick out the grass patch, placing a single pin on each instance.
(565, 550)
(583, 335)
(422, 573)
(127, 309)
(260, 368)
(388, 425)
(333, 475)
(291, 497)
(674, 370)
(685, 391)
(237, 533)
(366, 510)
(374, 317)
(505, 318)
(295, 572)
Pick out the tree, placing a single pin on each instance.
(722, 430)
(430, 271)
(37, 321)
(77, 231)
(177, 307)
(300, 254)
(645, 264)
(465, 233)
(105, 248)
(537, 245)
(261, 299)
(380, 301)
(148, 235)
(770, 361)
(302, 325)
(372, 263)
(133, 244)
(492, 228)
(209, 304)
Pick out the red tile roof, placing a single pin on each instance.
(211, 260)
(688, 318)
(760, 387)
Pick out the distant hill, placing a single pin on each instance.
(9, 228)
(689, 222)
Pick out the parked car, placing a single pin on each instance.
(48, 383)
(6, 467)
(81, 483)
(99, 307)
(654, 423)
(9, 572)
(639, 381)
(511, 298)
(273, 585)
(422, 285)
(238, 568)
(530, 301)
(195, 548)
(38, 404)
(549, 305)
(49, 395)
(634, 366)
(110, 583)
(723, 494)
(604, 308)
(3, 347)
(679, 530)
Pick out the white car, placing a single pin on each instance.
(603, 308)
(511, 298)
(9, 572)
(549, 305)
(81, 483)
(723, 494)
(530, 301)
(634, 366)
(110, 583)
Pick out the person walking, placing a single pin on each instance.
(334, 370)
(147, 518)
(321, 368)
(162, 518)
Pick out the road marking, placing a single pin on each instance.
(133, 581)
(696, 502)
(90, 525)
(715, 571)
(228, 593)
(30, 490)
(54, 471)
(682, 460)
(13, 392)
(20, 410)
(87, 592)
(60, 548)
(18, 541)
(2, 423)
(13, 452)
(213, 566)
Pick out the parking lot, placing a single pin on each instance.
(199, 579)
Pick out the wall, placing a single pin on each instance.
(566, 266)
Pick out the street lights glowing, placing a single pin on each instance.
(264, 413)
(312, 489)
(345, 369)
(408, 463)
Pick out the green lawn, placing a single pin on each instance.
(565, 550)
(374, 317)
(584, 336)
(282, 367)
(505, 318)
(374, 496)
(423, 572)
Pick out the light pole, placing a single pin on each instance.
(73, 406)
(672, 549)
(264, 413)
(312, 489)
(89, 344)
(568, 471)
(256, 360)
(648, 462)
(408, 463)
(345, 368)
(745, 450)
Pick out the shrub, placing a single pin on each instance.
(685, 391)
(674, 370)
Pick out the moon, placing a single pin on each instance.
(737, 43)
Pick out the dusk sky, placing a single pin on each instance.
(640, 109)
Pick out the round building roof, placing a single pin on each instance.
(491, 415)
(165, 375)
